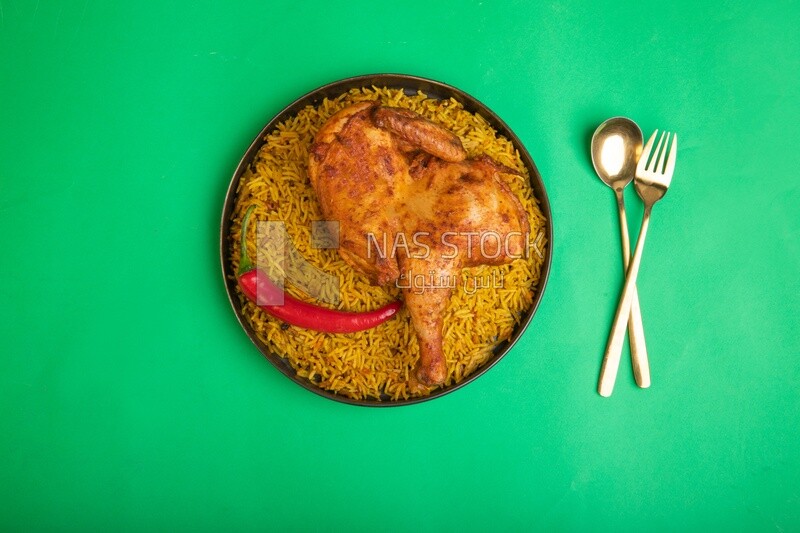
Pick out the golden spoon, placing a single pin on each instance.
(616, 147)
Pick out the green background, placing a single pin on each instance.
(131, 398)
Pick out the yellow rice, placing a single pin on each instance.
(377, 363)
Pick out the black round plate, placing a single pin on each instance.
(410, 84)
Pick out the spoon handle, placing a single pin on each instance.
(608, 372)
(641, 367)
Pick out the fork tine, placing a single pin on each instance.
(673, 154)
(642, 166)
(652, 167)
(663, 156)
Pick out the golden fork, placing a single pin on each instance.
(653, 177)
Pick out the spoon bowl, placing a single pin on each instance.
(616, 148)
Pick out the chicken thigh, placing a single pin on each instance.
(413, 210)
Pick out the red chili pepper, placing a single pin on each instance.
(255, 282)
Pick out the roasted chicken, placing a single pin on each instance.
(413, 210)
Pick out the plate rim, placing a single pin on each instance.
(394, 81)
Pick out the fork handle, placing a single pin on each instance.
(641, 367)
(608, 372)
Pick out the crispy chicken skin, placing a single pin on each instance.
(390, 176)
